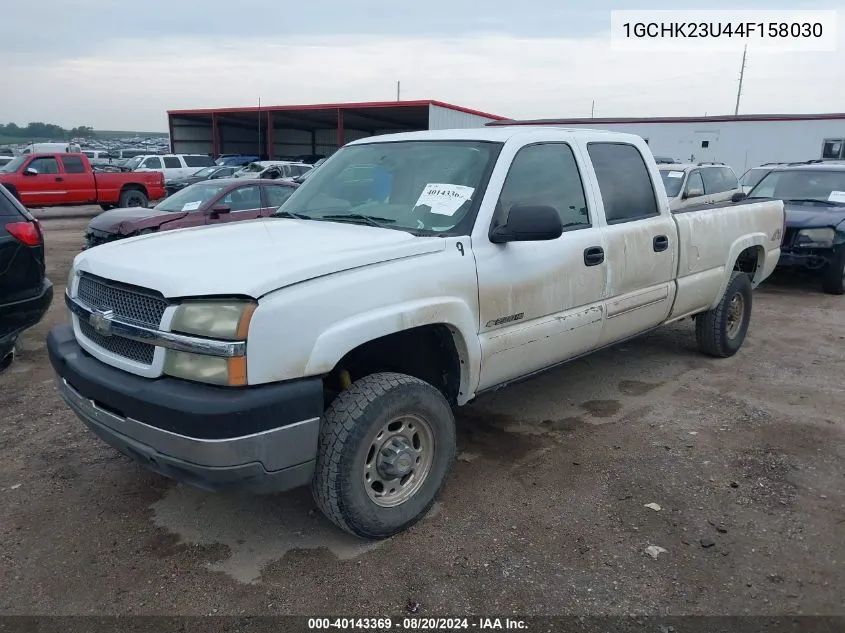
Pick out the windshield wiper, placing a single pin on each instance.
(290, 214)
(372, 220)
(814, 201)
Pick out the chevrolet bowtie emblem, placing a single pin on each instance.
(101, 320)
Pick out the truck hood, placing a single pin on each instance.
(805, 216)
(248, 258)
(111, 221)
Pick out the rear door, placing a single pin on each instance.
(641, 241)
(44, 188)
(173, 167)
(79, 182)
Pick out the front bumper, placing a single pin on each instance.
(260, 439)
(809, 259)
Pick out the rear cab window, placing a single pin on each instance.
(624, 181)
(73, 165)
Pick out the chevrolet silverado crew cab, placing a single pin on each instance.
(410, 273)
(48, 180)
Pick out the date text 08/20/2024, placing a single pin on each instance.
(415, 624)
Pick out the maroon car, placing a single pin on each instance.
(208, 202)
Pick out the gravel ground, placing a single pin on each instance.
(545, 512)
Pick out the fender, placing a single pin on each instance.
(763, 269)
(346, 335)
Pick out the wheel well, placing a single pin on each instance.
(133, 186)
(427, 352)
(750, 260)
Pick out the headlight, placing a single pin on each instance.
(815, 238)
(215, 319)
(209, 369)
(228, 320)
(71, 276)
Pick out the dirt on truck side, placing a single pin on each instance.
(546, 511)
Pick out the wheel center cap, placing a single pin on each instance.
(396, 458)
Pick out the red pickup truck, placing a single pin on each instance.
(50, 180)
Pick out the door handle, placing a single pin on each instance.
(661, 243)
(59, 179)
(593, 256)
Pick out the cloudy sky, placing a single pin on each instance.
(115, 64)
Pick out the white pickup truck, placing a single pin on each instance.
(412, 272)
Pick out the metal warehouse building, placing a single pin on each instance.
(296, 130)
(742, 141)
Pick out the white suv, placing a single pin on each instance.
(689, 184)
(172, 165)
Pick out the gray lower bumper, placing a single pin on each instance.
(271, 461)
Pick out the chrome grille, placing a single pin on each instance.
(135, 305)
(133, 350)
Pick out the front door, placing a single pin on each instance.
(641, 242)
(44, 188)
(540, 303)
(245, 203)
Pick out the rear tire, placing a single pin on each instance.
(833, 277)
(133, 198)
(721, 331)
(387, 444)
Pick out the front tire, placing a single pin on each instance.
(721, 331)
(386, 447)
(833, 277)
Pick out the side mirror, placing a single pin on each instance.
(219, 209)
(528, 223)
(739, 196)
(30, 171)
(693, 193)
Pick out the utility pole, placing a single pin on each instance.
(398, 90)
(593, 110)
(741, 76)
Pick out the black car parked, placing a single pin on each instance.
(25, 291)
(813, 195)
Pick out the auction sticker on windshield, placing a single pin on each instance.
(191, 206)
(675, 174)
(444, 199)
(836, 196)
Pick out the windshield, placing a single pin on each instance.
(753, 176)
(418, 186)
(824, 186)
(206, 171)
(13, 165)
(672, 181)
(190, 198)
(133, 163)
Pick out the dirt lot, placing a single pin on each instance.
(544, 512)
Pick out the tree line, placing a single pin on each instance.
(46, 130)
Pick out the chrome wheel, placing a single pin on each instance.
(736, 309)
(399, 460)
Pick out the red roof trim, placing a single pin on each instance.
(336, 106)
(710, 119)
